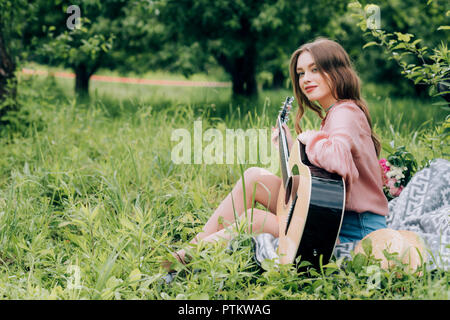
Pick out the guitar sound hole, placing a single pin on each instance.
(295, 180)
(292, 185)
(287, 194)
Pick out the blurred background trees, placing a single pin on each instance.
(251, 41)
(12, 16)
(247, 38)
(80, 45)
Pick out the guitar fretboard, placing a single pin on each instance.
(284, 154)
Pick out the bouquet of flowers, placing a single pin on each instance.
(398, 168)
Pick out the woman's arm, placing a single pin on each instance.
(334, 147)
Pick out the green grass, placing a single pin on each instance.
(88, 189)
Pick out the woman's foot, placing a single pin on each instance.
(166, 264)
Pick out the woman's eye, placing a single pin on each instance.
(314, 70)
(300, 74)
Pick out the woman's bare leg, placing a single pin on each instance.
(266, 193)
(267, 186)
(258, 221)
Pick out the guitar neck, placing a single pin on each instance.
(284, 153)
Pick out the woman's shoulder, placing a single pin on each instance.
(347, 109)
(349, 105)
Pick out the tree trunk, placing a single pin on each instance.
(244, 82)
(83, 73)
(82, 76)
(278, 79)
(8, 82)
(444, 89)
(243, 74)
(242, 70)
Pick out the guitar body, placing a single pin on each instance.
(310, 210)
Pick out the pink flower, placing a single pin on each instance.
(385, 167)
(391, 183)
(394, 191)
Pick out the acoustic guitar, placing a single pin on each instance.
(310, 205)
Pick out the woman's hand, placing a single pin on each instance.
(305, 137)
(275, 132)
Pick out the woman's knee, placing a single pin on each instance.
(261, 185)
(253, 175)
(260, 221)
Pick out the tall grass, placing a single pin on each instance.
(91, 203)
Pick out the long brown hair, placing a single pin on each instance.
(331, 59)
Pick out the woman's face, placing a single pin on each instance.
(312, 83)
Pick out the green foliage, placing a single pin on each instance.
(83, 48)
(401, 158)
(13, 16)
(250, 36)
(437, 142)
(90, 203)
(415, 59)
(422, 66)
(82, 45)
(252, 41)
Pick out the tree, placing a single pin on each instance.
(143, 44)
(246, 36)
(7, 69)
(117, 34)
(285, 25)
(10, 28)
(82, 48)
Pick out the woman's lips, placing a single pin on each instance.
(309, 89)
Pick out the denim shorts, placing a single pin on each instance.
(356, 226)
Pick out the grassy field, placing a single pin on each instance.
(91, 203)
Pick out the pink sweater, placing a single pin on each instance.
(344, 145)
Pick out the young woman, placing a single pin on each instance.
(325, 82)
